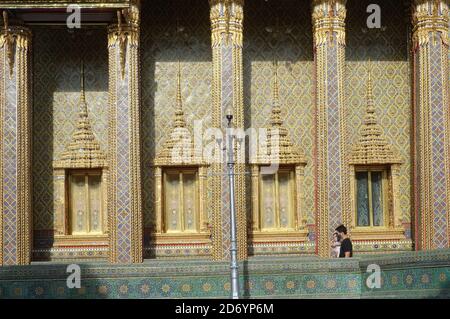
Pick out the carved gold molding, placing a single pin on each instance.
(226, 18)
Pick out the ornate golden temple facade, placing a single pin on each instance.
(112, 134)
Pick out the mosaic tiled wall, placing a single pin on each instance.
(56, 83)
(289, 41)
(387, 49)
(56, 96)
(162, 46)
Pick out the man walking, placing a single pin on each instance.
(346, 250)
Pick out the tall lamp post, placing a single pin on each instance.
(233, 240)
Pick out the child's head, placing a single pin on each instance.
(335, 236)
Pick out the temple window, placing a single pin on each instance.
(372, 189)
(277, 200)
(374, 170)
(180, 193)
(86, 204)
(277, 179)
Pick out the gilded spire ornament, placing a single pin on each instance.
(279, 146)
(84, 149)
(179, 148)
(372, 146)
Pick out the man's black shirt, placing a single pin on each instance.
(346, 246)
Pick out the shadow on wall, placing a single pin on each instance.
(388, 43)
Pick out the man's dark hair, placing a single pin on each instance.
(341, 229)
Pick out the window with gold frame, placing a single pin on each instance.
(180, 201)
(276, 195)
(86, 205)
(371, 197)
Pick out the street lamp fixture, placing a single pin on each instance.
(233, 236)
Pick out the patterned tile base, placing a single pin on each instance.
(411, 275)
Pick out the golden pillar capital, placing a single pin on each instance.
(120, 34)
(430, 18)
(14, 38)
(328, 19)
(125, 33)
(227, 17)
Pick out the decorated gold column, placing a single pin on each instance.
(124, 186)
(331, 176)
(15, 145)
(431, 124)
(226, 36)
